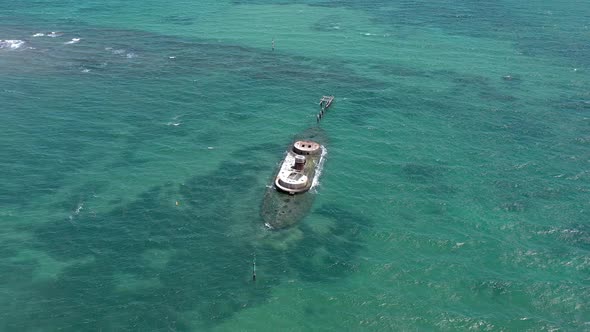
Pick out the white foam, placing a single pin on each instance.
(80, 206)
(316, 178)
(128, 55)
(54, 34)
(12, 44)
(85, 70)
(77, 211)
(171, 57)
(73, 41)
(39, 34)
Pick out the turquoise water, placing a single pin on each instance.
(138, 140)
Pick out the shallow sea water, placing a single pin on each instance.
(137, 141)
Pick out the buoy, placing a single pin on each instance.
(176, 203)
(254, 269)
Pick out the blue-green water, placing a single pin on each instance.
(137, 141)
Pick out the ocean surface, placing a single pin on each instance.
(137, 139)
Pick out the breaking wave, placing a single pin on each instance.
(73, 41)
(12, 44)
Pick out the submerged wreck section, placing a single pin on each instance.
(280, 210)
(287, 201)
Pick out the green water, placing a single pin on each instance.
(455, 193)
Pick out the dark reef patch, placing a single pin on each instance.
(203, 274)
(422, 172)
